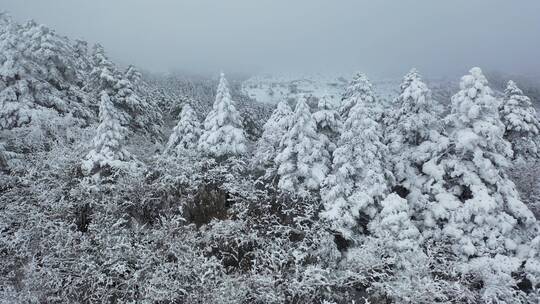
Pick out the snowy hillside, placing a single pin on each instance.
(273, 89)
(119, 187)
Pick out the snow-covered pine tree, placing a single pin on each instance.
(328, 122)
(133, 75)
(223, 134)
(357, 84)
(81, 53)
(521, 122)
(415, 114)
(359, 178)
(133, 109)
(186, 133)
(273, 131)
(475, 204)
(141, 113)
(106, 78)
(302, 160)
(103, 70)
(411, 76)
(359, 89)
(411, 125)
(108, 142)
(52, 52)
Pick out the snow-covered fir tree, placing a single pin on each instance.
(108, 142)
(474, 203)
(81, 53)
(412, 124)
(411, 76)
(522, 125)
(223, 133)
(359, 178)
(134, 110)
(328, 122)
(359, 89)
(186, 133)
(103, 79)
(415, 115)
(357, 84)
(273, 130)
(133, 75)
(302, 161)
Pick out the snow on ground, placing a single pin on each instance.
(275, 88)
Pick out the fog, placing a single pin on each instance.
(383, 38)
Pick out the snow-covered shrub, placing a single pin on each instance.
(394, 224)
(498, 278)
(419, 274)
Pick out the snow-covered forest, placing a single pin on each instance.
(123, 186)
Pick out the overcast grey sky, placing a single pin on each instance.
(381, 37)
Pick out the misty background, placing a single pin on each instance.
(381, 38)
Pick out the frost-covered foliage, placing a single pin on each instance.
(497, 275)
(521, 122)
(38, 75)
(475, 203)
(177, 238)
(109, 140)
(44, 75)
(186, 133)
(302, 161)
(273, 130)
(223, 133)
(359, 178)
